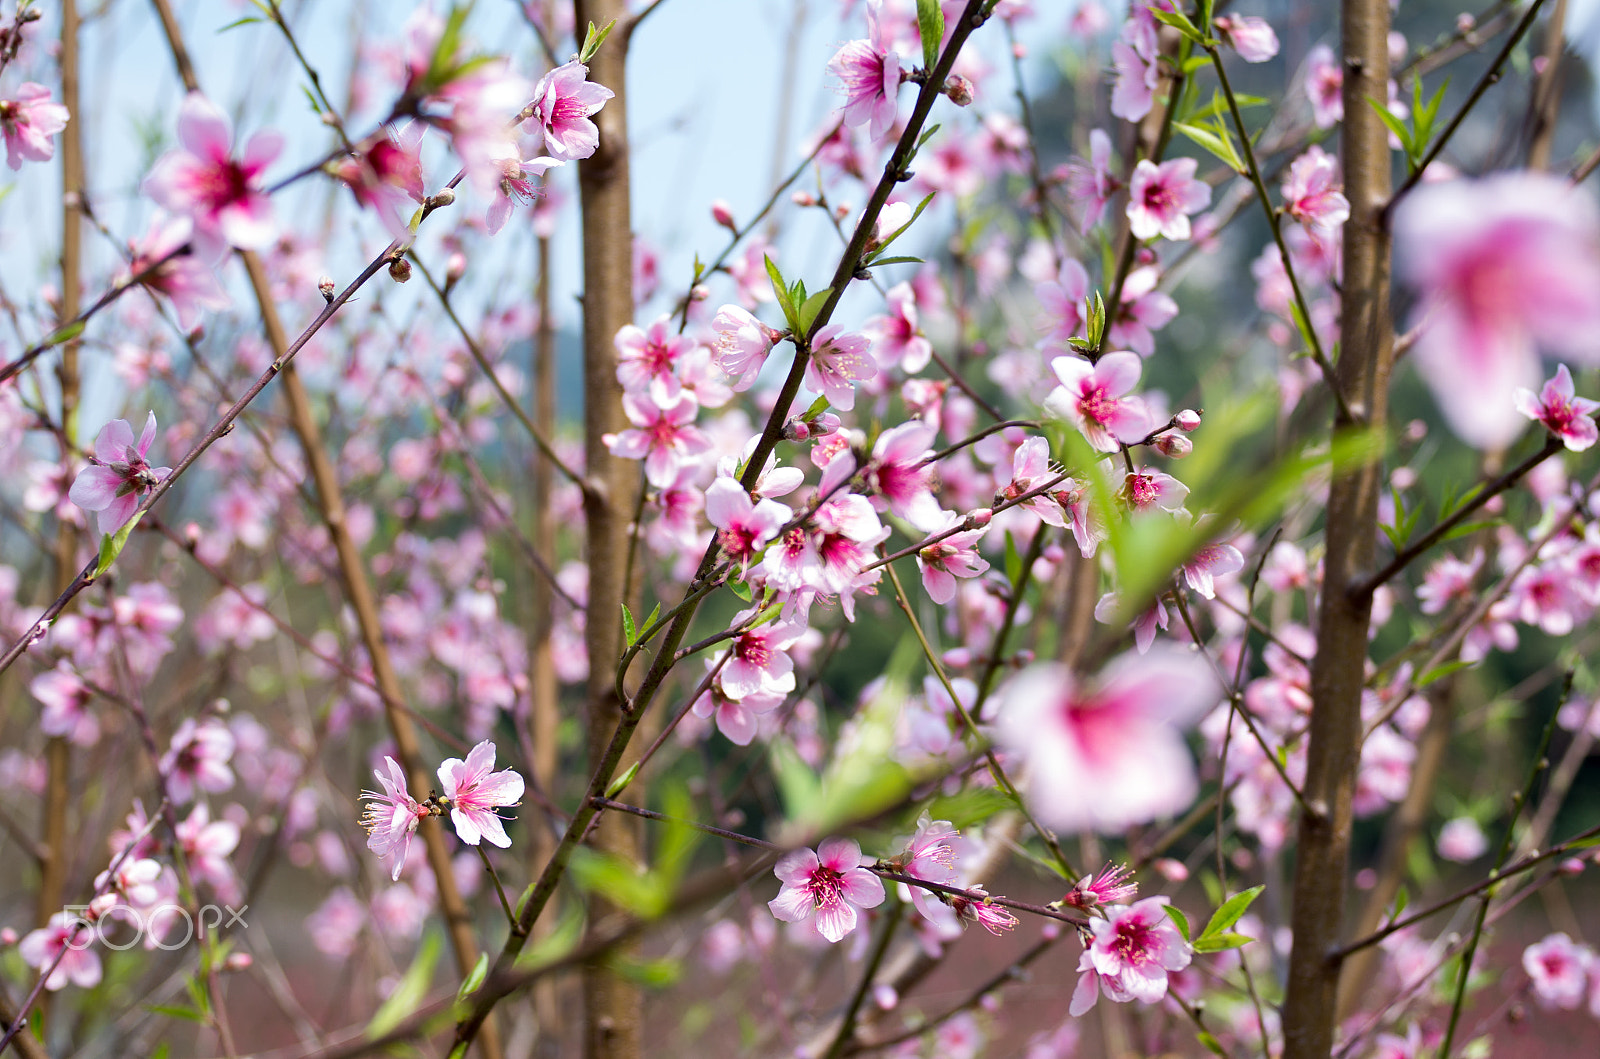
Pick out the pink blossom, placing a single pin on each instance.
(337, 922)
(475, 790)
(1107, 754)
(870, 72)
(206, 845)
(737, 718)
(664, 436)
(1138, 72)
(392, 817)
(119, 476)
(830, 883)
(1557, 968)
(65, 699)
(1325, 86)
(742, 345)
(1145, 624)
(839, 359)
(203, 181)
(28, 122)
(385, 175)
(1144, 490)
(1143, 309)
(1447, 580)
(1311, 192)
(1091, 186)
(1161, 197)
(977, 908)
(188, 281)
(1133, 950)
(1544, 596)
(1090, 397)
(898, 342)
(68, 937)
(198, 757)
(745, 526)
(648, 359)
(1110, 887)
(1462, 840)
(759, 662)
(1214, 560)
(1568, 417)
(563, 102)
(954, 556)
(1251, 37)
(517, 185)
(1062, 300)
(898, 472)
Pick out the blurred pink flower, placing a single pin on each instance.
(1092, 185)
(518, 185)
(68, 937)
(1557, 968)
(1251, 37)
(1311, 192)
(203, 181)
(28, 122)
(186, 279)
(1107, 753)
(1324, 86)
(1160, 198)
(198, 756)
(1462, 840)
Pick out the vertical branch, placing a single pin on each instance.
(613, 1007)
(1362, 376)
(58, 754)
(1546, 102)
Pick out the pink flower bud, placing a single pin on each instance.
(1053, 553)
(1174, 446)
(957, 657)
(1465, 23)
(796, 429)
(824, 424)
(959, 89)
(1403, 478)
(238, 961)
(1171, 870)
(803, 199)
(1020, 50)
(1187, 420)
(1570, 866)
(400, 270)
(1416, 430)
(842, 210)
(884, 995)
(455, 266)
(325, 287)
(699, 292)
(7, 936)
(979, 518)
(722, 213)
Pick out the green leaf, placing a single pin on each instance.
(930, 24)
(659, 973)
(1466, 529)
(592, 41)
(628, 628)
(740, 589)
(621, 882)
(621, 783)
(1219, 145)
(1210, 1043)
(819, 406)
(780, 290)
(111, 547)
(1227, 915)
(558, 943)
(1402, 898)
(1408, 141)
(876, 261)
(412, 989)
(1178, 918)
(1013, 560)
(651, 620)
(1441, 671)
(67, 333)
(245, 21)
(925, 137)
(883, 246)
(442, 66)
(471, 982)
(316, 108)
(176, 1012)
(1180, 22)
(1221, 942)
(812, 306)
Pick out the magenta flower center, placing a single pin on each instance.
(1097, 406)
(1159, 198)
(222, 185)
(754, 649)
(826, 888)
(1132, 943)
(1142, 490)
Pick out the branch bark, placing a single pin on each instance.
(1362, 374)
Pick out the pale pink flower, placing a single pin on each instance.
(1311, 192)
(1504, 266)
(1062, 300)
(518, 184)
(954, 556)
(1091, 398)
(207, 845)
(1107, 754)
(1568, 417)
(198, 756)
(870, 72)
(391, 817)
(1110, 887)
(564, 101)
(749, 272)
(1557, 968)
(745, 526)
(1324, 86)
(664, 435)
(839, 359)
(186, 279)
(385, 175)
(28, 122)
(1449, 579)
(337, 922)
(119, 476)
(742, 345)
(1544, 596)
(1251, 37)
(648, 359)
(1143, 310)
(202, 180)
(736, 718)
(65, 699)
(898, 472)
(1462, 840)
(1138, 73)
(760, 662)
(1214, 560)
(1144, 490)
(475, 791)
(1092, 185)
(1134, 948)
(832, 883)
(1160, 198)
(898, 342)
(66, 936)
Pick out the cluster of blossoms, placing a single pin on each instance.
(472, 793)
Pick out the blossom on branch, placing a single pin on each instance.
(473, 790)
(392, 817)
(202, 180)
(830, 883)
(120, 476)
(28, 122)
(1134, 948)
(1567, 416)
(564, 101)
(870, 72)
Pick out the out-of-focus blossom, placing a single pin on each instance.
(1324, 86)
(1462, 840)
(198, 758)
(1557, 967)
(1160, 198)
(28, 123)
(202, 180)
(1311, 192)
(1251, 37)
(870, 72)
(65, 936)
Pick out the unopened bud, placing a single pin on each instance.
(978, 519)
(238, 961)
(803, 199)
(455, 266)
(444, 197)
(699, 292)
(824, 424)
(722, 213)
(959, 89)
(7, 936)
(1570, 866)
(325, 286)
(958, 657)
(1171, 870)
(1174, 446)
(399, 270)
(842, 210)
(1187, 420)
(796, 430)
